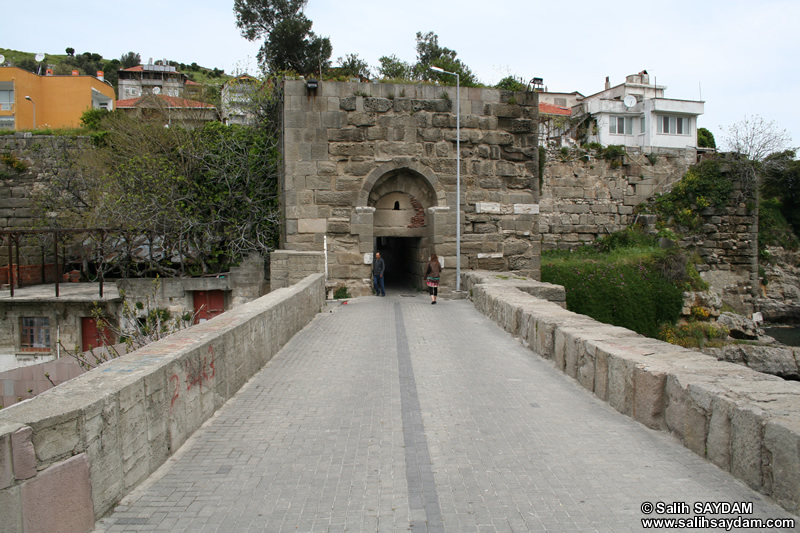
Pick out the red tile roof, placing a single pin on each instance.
(171, 101)
(550, 109)
(138, 68)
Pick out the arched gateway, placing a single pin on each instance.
(378, 172)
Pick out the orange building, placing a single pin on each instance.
(56, 101)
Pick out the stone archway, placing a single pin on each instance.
(405, 198)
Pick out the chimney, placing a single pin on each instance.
(608, 83)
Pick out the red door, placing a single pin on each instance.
(92, 336)
(208, 304)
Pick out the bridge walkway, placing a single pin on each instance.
(391, 414)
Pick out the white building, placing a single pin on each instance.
(237, 100)
(144, 80)
(635, 114)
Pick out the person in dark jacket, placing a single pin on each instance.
(377, 272)
(432, 272)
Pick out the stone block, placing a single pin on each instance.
(362, 119)
(338, 226)
(620, 382)
(11, 510)
(718, 440)
(312, 225)
(648, 396)
(352, 149)
(782, 443)
(23, 454)
(334, 198)
(747, 426)
(377, 105)
(346, 135)
(59, 498)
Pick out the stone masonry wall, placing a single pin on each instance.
(583, 200)
(348, 145)
(42, 156)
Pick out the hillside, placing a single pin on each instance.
(89, 63)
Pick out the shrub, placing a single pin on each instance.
(693, 334)
(341, 292)
(630, 293)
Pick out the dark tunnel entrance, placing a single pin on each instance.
(404, 259)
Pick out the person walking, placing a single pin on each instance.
(378, 269)
(432, 273)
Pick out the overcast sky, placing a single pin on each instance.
(738, 56)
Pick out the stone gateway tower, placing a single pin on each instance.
(372, 167)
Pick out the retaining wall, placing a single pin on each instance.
(745, 422)
(68, 455)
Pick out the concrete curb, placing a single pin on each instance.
(741, 420)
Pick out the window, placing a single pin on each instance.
(673, 125)
(620, 125)
(641, 126)
(6, 123)
(35, 334)
(560, 102)
(6, 99)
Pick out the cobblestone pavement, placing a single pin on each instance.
(391, 414)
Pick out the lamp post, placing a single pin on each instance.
(34, 110)
(458, 174)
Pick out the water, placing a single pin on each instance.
(785, 335)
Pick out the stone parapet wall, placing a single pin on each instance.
(99, 435)
(583, 200)
(743, 421)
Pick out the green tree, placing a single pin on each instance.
(129, 60)
(393, 68)
(429, 54)
(293, 46)
(353, 66)
(70, 51)
(781, 180)
(289, 43)
(512, 83)
(705, 139)
(204, 197)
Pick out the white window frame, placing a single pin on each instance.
(675, 125)
(5, 105)
(614, 122)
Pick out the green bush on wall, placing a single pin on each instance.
(633, 295)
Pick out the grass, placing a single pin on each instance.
(626, 286)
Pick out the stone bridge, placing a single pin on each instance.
(389, 414)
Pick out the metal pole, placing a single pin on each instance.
(10, 266)
(458, 183)
(458, 173)
(55, 252)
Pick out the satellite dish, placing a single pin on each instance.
(156, 90)
(39, 57)
(629, 101)
(2, 59)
